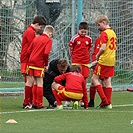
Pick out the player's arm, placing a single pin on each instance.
(47, 51)
(29, 50)
(30, 37)
(70, 49)
(101, 51)
(71, 46)
(60, 78)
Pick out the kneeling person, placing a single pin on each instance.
(74, 89)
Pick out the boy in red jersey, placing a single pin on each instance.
(74, 90)
(95, 51)
(79, 49)
(28, 36)
(39, 51)
(106, 60)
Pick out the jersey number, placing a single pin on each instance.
(113, 43)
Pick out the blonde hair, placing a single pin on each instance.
(101, 18)
(49, 29)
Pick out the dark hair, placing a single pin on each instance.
(63, 63)
(83, 25)
(39, 32)
(40, 20)
(75, 68)
(99, 29)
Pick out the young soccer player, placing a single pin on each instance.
(79, 49)
(28, 36)
(106, 60)
(72, 91)
(95, 51)
(39, 51)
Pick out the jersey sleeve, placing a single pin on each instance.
(60, 78)
(47, 51)
(30, 37)
(103, 38)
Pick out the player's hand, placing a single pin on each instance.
(46, 68)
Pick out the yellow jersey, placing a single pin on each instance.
(109, 38)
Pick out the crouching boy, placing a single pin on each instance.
(74, 89)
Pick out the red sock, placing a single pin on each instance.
(34, 94)
(56, 97)
(92, 92)
(101, 94)
(39, 96)
(27, 94)
(108, 93)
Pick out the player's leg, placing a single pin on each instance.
(55, 89)
(34, 95)
(28, 90)
(92, 95)
(108, 89)
(40, 92)
(95, 80)
(85, 71)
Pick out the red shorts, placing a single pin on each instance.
(36, 72)
(104, 71)
(68, 96)
(24, 68)
(85, 71)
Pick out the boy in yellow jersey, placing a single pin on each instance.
(104, 70)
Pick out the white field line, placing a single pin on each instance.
(70, 109)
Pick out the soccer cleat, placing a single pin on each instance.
(27, 106)
(102, 105)
(75, 105)
(109, 106)
(106, 106)
(51, 106)
(59, 107)
(41, 107)
(67, 104)
(34, 106)
(91, 104)
(130, 89)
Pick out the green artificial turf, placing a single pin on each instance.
(93, 120)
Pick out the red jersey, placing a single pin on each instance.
(27, 38)
(39, 51)
(80, 49)
(74, 83)
(96, 49)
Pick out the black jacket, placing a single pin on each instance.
(50, 75)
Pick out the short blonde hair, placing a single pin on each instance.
(49, 29)
(101, 18)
